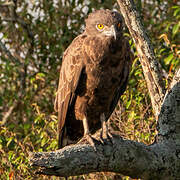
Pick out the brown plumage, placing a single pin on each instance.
(93, 76)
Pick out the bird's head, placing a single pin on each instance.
(104, 23)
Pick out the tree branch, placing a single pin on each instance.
(157, 161)
(8, 114)
(176, 78)
(145, 51)
(15, 18)
(125, 157)
(24, 25)
(8, 53)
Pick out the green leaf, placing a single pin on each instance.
(168, 59)
(32, 79)
(9, 141)
(162, 50)
(175, 7)
(168, 25)
(11, 155)
(44, 141)
(176, 12)
(128, 104)
(53, 145)
(41, 74)
(175, 28)
(27, 126)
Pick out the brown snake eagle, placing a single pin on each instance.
(93, 76)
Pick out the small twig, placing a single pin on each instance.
(14, 17)
(145, 111)
(8, 53)
(8, 113)
(176, 78)
(22, 23)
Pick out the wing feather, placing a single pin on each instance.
(70, 73)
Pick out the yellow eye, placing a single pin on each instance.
(100, 26)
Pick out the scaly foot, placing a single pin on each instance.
(105, 134)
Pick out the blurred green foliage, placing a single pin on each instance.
(28, 85)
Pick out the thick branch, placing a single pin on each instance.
(145, 51)
(158, 161)
(126, 157)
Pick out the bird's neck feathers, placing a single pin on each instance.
(109, 44)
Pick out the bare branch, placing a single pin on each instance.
(14, 17)
(157, 161)
(12, 5)
(176, 78)
(145, 51)
(8, 53)
(8, 114)
(126, 157)
(25, 26)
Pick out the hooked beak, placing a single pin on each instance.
(110, 32)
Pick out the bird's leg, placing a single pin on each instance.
(105, 134)
(87, 134)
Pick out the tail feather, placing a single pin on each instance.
(62, 138)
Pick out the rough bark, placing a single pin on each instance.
(160, 160)
(145, 51)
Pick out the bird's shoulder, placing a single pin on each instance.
(72, 61)
(71, 68)
(84, 49)
(76, 46)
